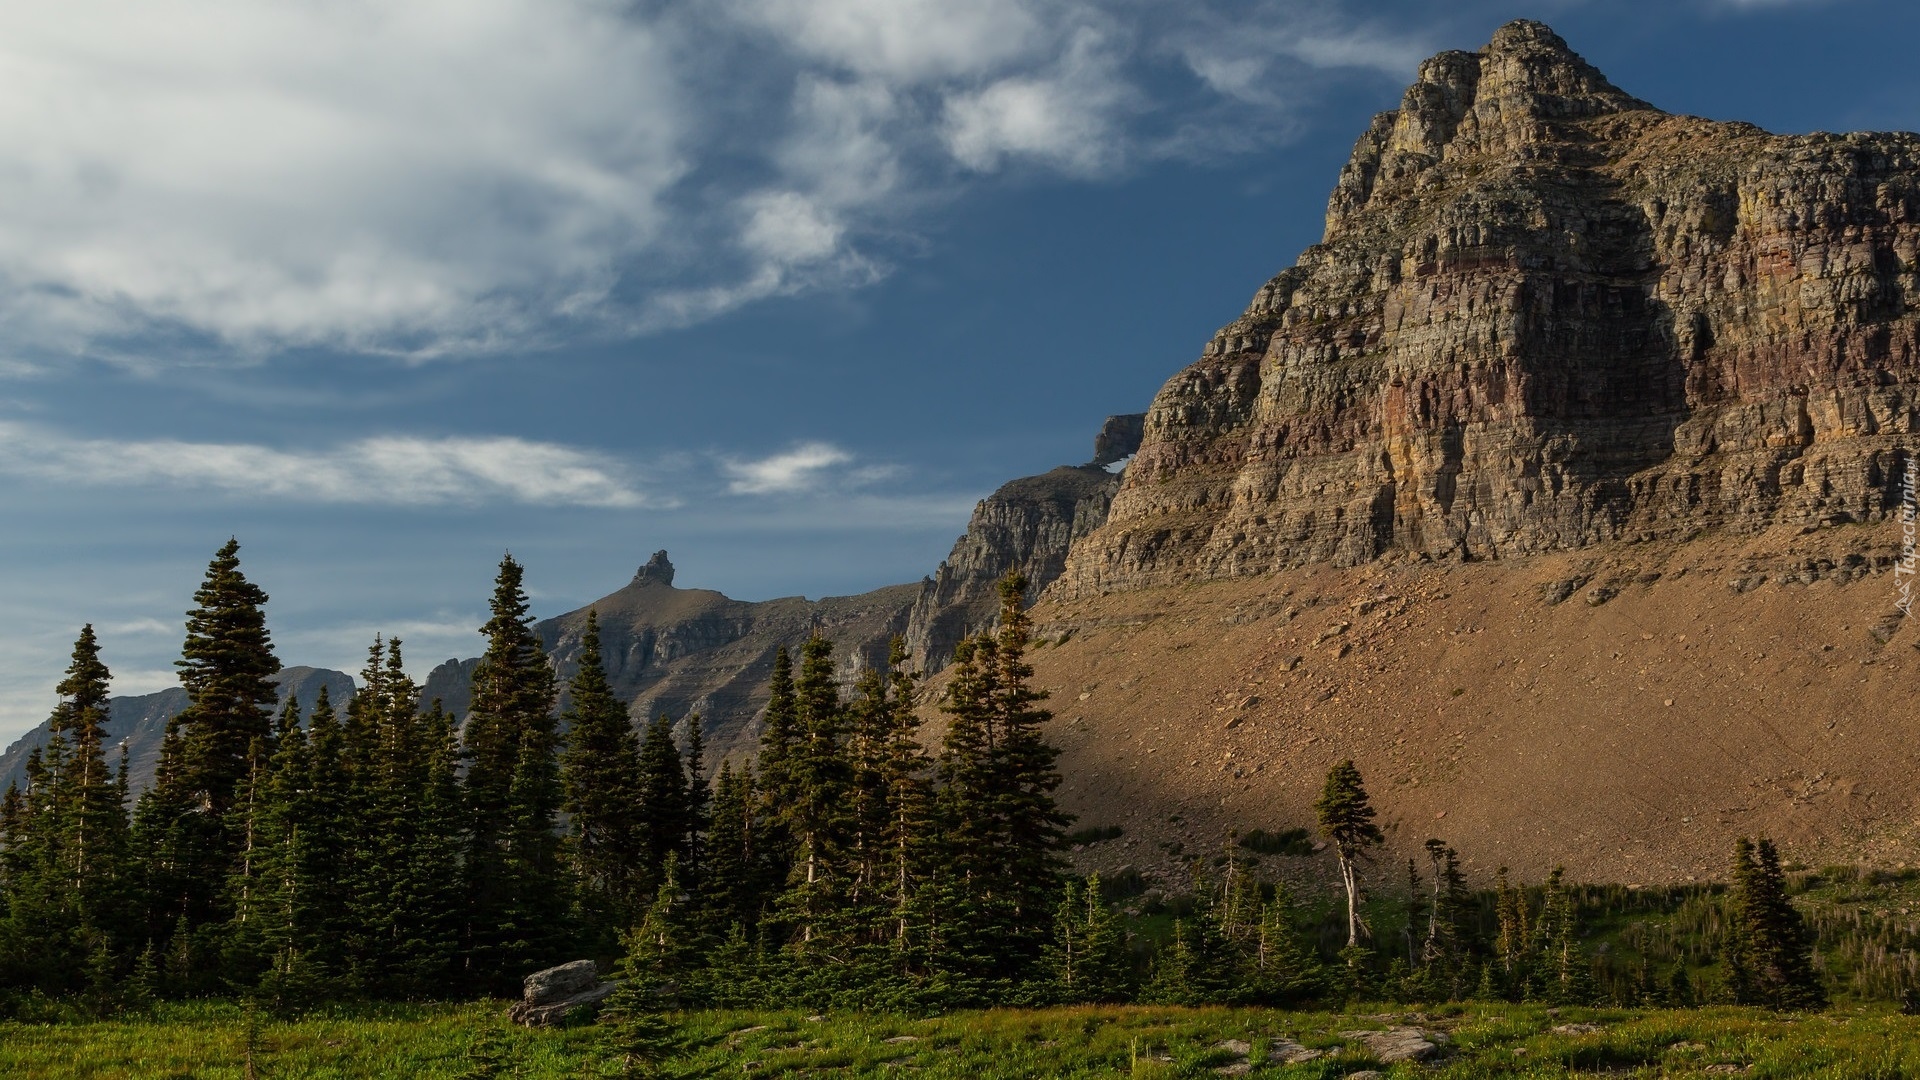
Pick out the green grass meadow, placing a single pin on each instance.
(208, 1041)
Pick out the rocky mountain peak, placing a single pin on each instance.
(657, 571)
(1515, 98)
(1545, 316)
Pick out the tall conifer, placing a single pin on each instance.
(1346, 820)
(600, 773)
(190, 839)
(513, 795)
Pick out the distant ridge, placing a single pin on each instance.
(140, 721)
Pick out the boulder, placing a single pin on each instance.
(1396, 1044)
(554, 995)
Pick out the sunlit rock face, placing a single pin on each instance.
(1544, 315)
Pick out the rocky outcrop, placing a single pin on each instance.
(557, 994)
(140, 722)
(1029, 525)
(1544, 315)
(685, 652)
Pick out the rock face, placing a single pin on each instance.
(555, 994)
(1544, 315)
(140, 721)
(1028, 524)
(685, 651)
(681, 652)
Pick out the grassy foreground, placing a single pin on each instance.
(207, 1041)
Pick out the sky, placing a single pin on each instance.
(386, 290)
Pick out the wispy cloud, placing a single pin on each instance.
(400, 470)
(218, 179)
(802, 468)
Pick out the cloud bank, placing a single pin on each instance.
(384, 470)
(218, 180)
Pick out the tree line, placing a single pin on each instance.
(385, 849)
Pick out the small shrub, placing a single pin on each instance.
(1293, 842)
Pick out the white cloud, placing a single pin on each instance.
(394, 470)
(799, 469)
(1065, 118)
(419, 175)
(224, 179)
(908, 40)
(143, 626)
(787, 228)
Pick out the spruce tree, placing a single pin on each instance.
(1088, 954)
(243, 956)
(699, 800)
(1283, 969)
(1025, 779)
(406, 888)
(816, 821)
(1346, 820)
(964, 911)
(905, 780)
(36, 940)
(730, 887)
(93, 835)
(600, 772)
(774, 787)
(283, 932)
(65, 875)
(1769, 959)
(189, 838)
(515, 899)
(662, 802)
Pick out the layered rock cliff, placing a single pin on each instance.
(1544, 315)
(1029, 524)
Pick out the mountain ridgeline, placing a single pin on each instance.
(679, 651)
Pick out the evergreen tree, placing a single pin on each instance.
(190, 839)
(959, 939)
(93, 840)
(635, 1038)
(515, 900)
(1026, 777)
(243, 956)
(1769, 959)
(1195, 968)
(699, 801)
(1282, 969)
(904, 777)
(282, 930)
(663, 813)
(600, 772)
(1346, 820)
(1567, 974)
(774, 786)
(1449, 933)
(816, 821)
(661, 946)
(407, 866)
(731, 895)
(65, 873)
(1088, 954)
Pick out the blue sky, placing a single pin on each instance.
(782, 286)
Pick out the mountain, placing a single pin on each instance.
(140, 721)
(1544, 315)
(681, 651)
(1560, 485)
